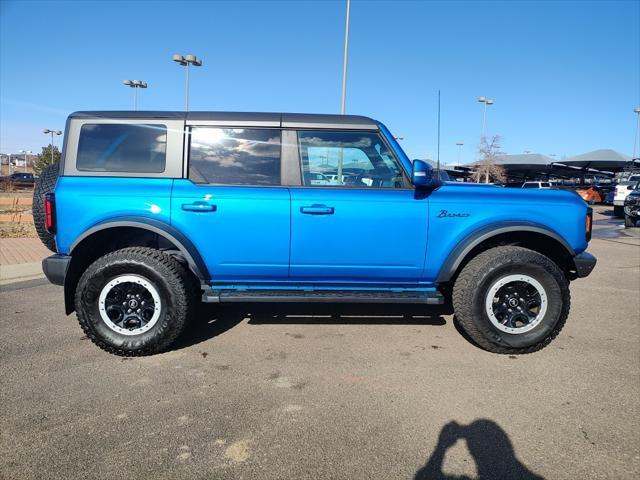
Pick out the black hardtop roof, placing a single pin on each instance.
(302, 120)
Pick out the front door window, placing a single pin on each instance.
(348, 159)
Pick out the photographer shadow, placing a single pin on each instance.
(490, 448)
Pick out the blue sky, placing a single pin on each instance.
(565, 76)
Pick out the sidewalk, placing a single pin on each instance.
(21, 259)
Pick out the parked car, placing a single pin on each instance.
(20, 179)
(152, 212)
(632, 207)
(315, 178)
(591, 195)
(622, 190)
(542, 185)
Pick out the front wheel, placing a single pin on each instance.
(134, 301)
(629, 221)
(511, 300)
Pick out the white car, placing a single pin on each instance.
(316, 178)
(621, 192)
(543, 185)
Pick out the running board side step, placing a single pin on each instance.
(431, 297)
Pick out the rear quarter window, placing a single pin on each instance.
(127, 148)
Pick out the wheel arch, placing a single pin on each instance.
(533, 236)
(116, 233)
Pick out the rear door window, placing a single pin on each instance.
(235, 156)
(128, 148)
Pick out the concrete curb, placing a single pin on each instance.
(20, 272)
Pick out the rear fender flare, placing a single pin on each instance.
(184, 245)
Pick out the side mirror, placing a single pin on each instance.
(422, 174)
(630, 187)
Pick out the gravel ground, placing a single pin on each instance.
(311, 392)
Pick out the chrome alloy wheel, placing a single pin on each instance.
(516, 303)
(129, 304)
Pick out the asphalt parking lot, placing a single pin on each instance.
(311, 392)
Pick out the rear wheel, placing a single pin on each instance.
(134, 301)
(511, 300)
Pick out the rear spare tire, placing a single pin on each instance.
(44, 184)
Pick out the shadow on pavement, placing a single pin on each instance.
(212, 320)
(488, 444)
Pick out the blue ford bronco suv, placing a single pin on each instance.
(150, 212)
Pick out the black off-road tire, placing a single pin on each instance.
(474, 282)
(172, 281)
(44, 184)
(629, 221)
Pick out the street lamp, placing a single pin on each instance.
(26, 152)
(52, 132)
(135, 84)
(635, 140)
(345, 59)
(459, 144)
(185, 61)
(487, 102)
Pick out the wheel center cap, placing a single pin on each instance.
(513, 302)
(133, 303)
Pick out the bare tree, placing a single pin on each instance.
(487, 168)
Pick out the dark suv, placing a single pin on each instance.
(632, 207)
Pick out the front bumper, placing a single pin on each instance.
(55, 268)
(584, 262)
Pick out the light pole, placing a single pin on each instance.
(52, 132)
(487, 102)
(459, 144)
(186, 60)
(26, 152)
(635, 140)
(345, 60)
(135, 84)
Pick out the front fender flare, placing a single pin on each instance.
(462, 249)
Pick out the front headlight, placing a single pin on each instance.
(630, 200)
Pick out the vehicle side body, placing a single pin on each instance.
(297, 236)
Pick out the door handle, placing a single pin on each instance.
(317, 210)
(199, 207)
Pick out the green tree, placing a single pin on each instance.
(44, 158)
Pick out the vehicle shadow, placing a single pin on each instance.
(488, 444)
(212, 320)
